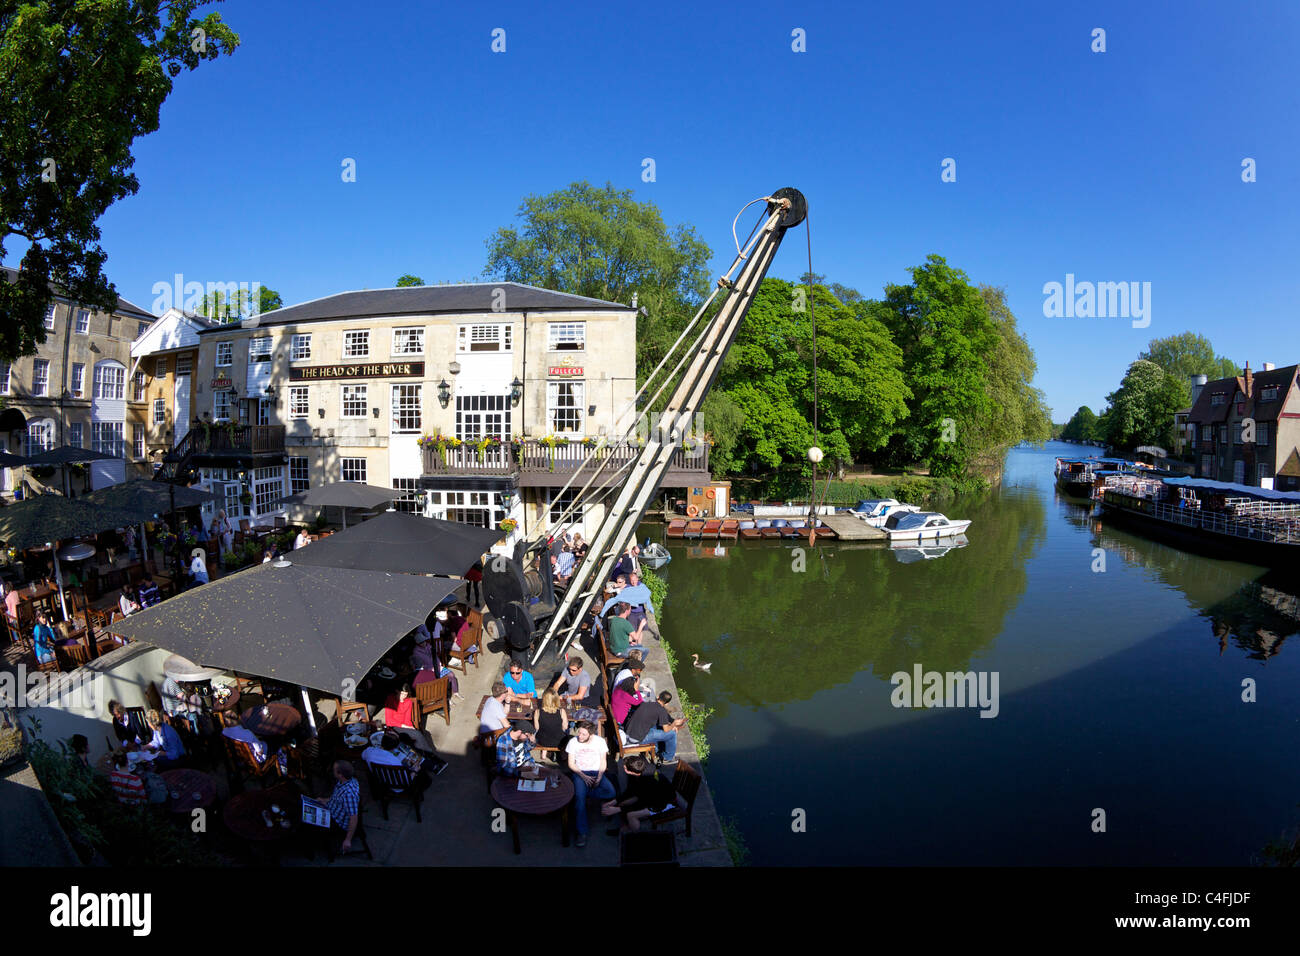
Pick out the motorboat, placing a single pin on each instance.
(655, 555)
(875, 511)
(909, 526)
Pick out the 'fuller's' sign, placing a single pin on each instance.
(564, 370)
(317, 373)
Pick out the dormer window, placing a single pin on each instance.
(1218, 398)
(1268, 394)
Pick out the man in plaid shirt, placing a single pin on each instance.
(344, 802)
(515, 751)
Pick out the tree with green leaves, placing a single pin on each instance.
(1082, 426)
(79, 81)
(1188, 354)
(1017, 410)
(268, 300)
(600, 242)
(1142, 409)
(408, 280)
(768, 378)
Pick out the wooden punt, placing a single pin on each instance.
(749, 530)
(676, 528)
(730, 529)
(711, 528)
(795, 529)
(775, 530)
(693, 529)
(822, 531)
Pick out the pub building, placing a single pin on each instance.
(473, 402)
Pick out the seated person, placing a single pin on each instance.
(128, 787)
(648, 793)
(43, 638)
(302, 539)
(179, 702)
(148, 592)
(550, 720)
(652, 724)
(386, 755)
(626, 696)
(199, 566)
(165, 742)
(255, 743)
(576, 692)
(519, 682)
(400, 708)
(631, 666)
(515, 752)
(123, 727)
(12, 600)
(588, 760)
(128, 602)
(623, 636)
(462, 638)
(493, 715)
(422, 654)
(564, 566)
(436, 672)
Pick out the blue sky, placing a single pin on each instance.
(1115, 166)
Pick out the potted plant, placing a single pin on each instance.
(508, 525)
(246, 499)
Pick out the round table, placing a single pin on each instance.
(243, 813)
(230, 703)
(507, 795)
(272, 720)
(186, 784)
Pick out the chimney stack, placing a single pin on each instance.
(1269, 366)
(1198, 383)
(1250, 380)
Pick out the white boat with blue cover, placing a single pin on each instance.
(875, 511)
(920, 526)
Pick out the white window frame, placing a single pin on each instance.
(260, 350)
(356, 343)
(408, 341)
(160, 411)
(40, 376)
(358, 468)
(560, 333)
(107, 438)
(78, 379)
(1268, 393)
(83, 321)
(137, 386)
(160, 367)
(46, 426)
(110, 388)
(266, 485)
(297, 483)
(229, 403)
(298, 396)
(184, 365)
(478, 416)
(406, 496)
(137, 442)
(576, 401)
(6, 374)
(559, 502)
(300, 347)
(225, 354)
(483, 337)
(76, 434)
(49, 317)
(351, 395)
(1261, 434)
(407, 404)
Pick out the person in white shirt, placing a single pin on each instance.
(302, 540)
(239, 732)
(224, 530)
(588, 757)
(630, 665)
(128, 602)
(199, 566)
(493, 716)
(386, 755)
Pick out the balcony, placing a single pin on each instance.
(534, 464)
(233, 441)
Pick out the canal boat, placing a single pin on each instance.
(876, 510)
(918, 526)
(1078, 477)
(655, 555)
(730, 529)
(749, 530)
(1219, 518)
(711, 528)
(693, 529)
(676, 528)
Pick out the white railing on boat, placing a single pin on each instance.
(1267, 528)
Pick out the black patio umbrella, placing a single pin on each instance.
(13, 461)
(67, 455)
(316, 627)
(49, 519)
(402, 543)
(341, 494)
(148, 499)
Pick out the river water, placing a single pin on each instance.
(1119, 661)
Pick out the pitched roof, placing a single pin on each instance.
(124, 307)
(1283, 378)
(437, 299)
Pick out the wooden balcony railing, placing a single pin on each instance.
(532, 456)
(246, 439)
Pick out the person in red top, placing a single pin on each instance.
(128, 787)
(399, 709)
(626, 696)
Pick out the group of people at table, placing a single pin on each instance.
(567, 715)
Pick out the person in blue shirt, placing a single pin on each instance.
(43, 638)
(518, 681)
(166, 742)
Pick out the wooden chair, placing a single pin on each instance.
(473, 638)
(244, 765)
(348, 708)
(608, 659)
(687, 784)
(358, 837)
(72, 656)
(386, 781)
(615, 738)
(434, 698)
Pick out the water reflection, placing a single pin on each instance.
(909, 554)
(1260, 617)
(783, 622)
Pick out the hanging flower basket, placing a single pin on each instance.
(508, 525)
(438, 441)
(553, 442)
(482, 445)
(591, 441)
(246, 499)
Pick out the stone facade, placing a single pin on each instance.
(1225, 412)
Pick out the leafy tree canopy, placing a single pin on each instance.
(79, 81)
(1142, 408)
(404, 281)
(1188, 354)
(1082, 426)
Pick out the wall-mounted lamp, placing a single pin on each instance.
(444, 393)
(374, 412)
(270, 390)
(320, 413)
(454, 367)
(516, 391)
(591, 409)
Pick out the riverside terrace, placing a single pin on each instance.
(405, 837)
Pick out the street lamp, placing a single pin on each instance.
(444, 393)
(516, 391)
